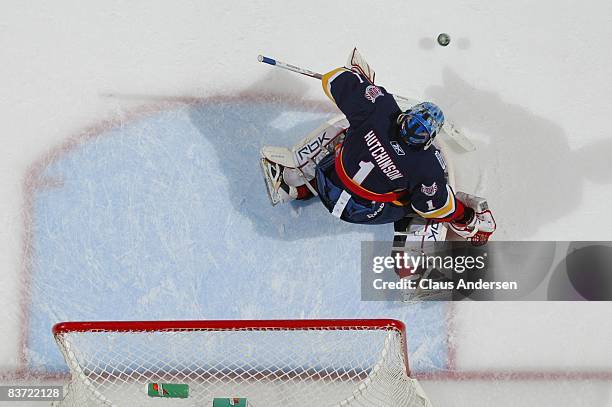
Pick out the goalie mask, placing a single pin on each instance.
(420, 124)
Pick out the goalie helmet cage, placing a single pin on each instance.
(271, 363)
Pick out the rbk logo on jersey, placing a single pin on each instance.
(397, 148)
(312, 148)
(376, 212)
(429, 190)
(372, 92)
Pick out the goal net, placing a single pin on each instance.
(288, 363)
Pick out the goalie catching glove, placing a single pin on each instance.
(357, 63)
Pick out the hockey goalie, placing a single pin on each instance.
(377, 163)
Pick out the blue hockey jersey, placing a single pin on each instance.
(374, 163)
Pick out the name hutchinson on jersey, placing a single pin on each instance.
(381, 158)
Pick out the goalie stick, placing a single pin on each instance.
(449, 128)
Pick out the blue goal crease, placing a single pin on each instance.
(167, 217)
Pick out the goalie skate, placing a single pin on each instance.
(278, 190)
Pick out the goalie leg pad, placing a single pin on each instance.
(290, 174)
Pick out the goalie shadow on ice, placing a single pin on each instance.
(378, 163)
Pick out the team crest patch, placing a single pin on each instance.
(372, 92)
(429, 190)
(398, 149)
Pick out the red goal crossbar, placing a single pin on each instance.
(62, 328)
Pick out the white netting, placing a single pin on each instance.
(270, 367)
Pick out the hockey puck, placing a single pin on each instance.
(444, 39)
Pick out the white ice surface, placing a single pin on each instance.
(528, 80)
